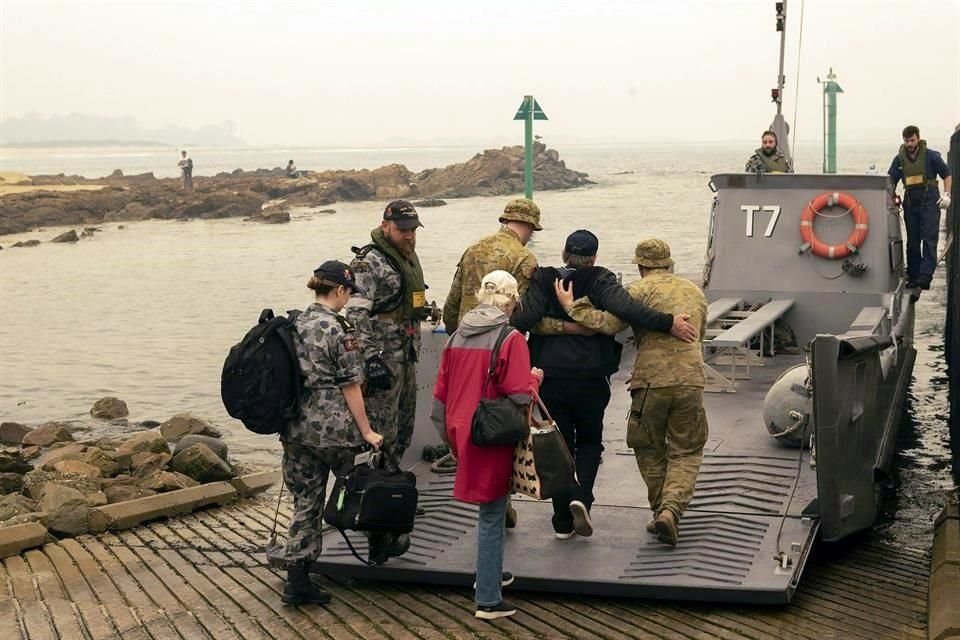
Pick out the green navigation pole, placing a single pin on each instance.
(830, 91)
(528, 112)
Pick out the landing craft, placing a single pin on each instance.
(808, 356)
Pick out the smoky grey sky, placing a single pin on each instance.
(362, 73)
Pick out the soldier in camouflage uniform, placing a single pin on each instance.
(332, 424)
(387, 316)
(505, 250)
(667, 428)
(768, 158)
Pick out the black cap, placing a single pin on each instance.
(403, 214)
(334, 272)
(582, 243)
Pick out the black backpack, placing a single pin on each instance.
(261, 380)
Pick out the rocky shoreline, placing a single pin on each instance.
(48, 476)
(265, 195)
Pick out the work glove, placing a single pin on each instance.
(377, 373)
(944, 201)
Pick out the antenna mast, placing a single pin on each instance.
(780, 126)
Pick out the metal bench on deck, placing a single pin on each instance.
(730, 343)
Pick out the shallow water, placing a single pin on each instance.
(148, 313)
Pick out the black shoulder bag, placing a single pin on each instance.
(497, 421)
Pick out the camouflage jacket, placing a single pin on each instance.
(503, 250)
(662, 360)
(756, 163)
(398, 339)
(330, 359)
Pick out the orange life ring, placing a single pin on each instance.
(833, 251)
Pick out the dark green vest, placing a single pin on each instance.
(777, 163)
(915, 171)
(413, 298)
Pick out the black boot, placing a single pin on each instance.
(299, 589)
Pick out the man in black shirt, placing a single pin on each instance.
(578, 363)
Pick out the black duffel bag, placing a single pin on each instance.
(498, 421)
(373, 500)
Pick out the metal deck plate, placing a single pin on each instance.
(728, 536)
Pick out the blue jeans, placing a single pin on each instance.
(490, 542)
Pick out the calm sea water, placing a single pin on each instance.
(148, 313)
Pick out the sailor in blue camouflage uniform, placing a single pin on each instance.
(387, 316)
(332, 425)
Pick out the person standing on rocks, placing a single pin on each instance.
(332, 426)
(186, 169)
(387, 312)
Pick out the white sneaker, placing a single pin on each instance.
(582, 524)
(564, 536)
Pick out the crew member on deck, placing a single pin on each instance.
(768, 158)
(918, 168)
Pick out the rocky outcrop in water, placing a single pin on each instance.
(245, 193)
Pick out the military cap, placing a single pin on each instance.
(522, 210)
(334, 272)
(403, 214)
(653, 254)
(582, 243)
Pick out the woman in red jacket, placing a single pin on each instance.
(483, 473)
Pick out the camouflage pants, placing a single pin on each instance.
(667, 429)
(392, 412)
(305, 471)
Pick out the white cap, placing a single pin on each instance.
(499, 282)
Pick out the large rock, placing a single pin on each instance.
(46, 434)
(145, 463)
(70, 452)
(109, 463)
(36, 483)
(67, 510)
(202, 464)
(78, 467)
(124, 492)
(216, 445)
(69, 236)
(184, 424)
(13, 432)
(14, 505)
(144, 441)
(109, 408)
(10, 483)
(162, 481)
(11, 461)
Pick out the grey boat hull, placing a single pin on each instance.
(759, 505)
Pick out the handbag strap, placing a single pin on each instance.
(543, 411)
(354, 551)
(504, 332)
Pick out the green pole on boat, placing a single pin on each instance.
(830, 91)
(528, 112)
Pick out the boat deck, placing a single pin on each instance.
(748, 506)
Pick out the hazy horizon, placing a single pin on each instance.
(429, 73)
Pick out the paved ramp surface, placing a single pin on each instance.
(205, 576)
